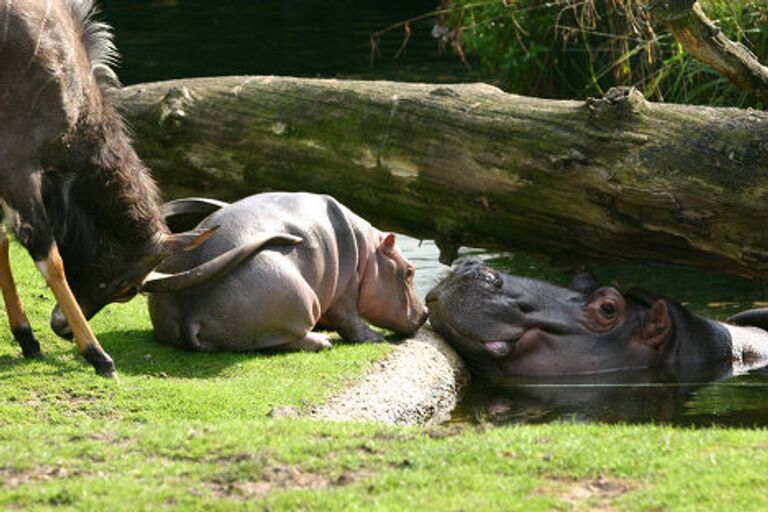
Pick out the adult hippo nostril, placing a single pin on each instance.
(526, 308)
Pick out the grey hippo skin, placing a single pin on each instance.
(508, 325)
(343, 271)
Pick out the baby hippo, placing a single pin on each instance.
(325, 267)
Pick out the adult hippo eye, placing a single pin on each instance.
(409, 273)
(608, 309)
(605, 310)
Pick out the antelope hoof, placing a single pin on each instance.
(29, 344)
(101, 362)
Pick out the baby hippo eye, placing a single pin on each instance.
(409, 273)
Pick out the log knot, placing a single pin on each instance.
(446, 92)
(617, 104)
(173, 108)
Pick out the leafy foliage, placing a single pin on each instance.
(579, 48)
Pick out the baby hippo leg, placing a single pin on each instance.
(344, 318)
(312, 342)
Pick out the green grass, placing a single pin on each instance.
(193, 431)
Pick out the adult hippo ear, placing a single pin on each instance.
(657, 327)
(751, 318)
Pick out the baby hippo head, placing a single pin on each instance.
(387, 297)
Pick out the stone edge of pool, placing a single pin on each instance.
(418, 383)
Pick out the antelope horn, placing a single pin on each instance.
(158, 282)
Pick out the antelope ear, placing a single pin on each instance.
(657, 327)
(186, 241)
(184, 214)
(387, 245)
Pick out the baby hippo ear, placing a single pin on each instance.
(657, 327)
(387, 245)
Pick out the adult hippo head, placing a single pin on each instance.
(508, 325)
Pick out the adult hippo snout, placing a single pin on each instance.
(509, 325)
(493, 317)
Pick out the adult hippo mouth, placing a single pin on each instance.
(487, 318)
(509, 325)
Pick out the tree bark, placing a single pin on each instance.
(700, 37)
(612, 178)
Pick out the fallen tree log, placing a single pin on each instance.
(612, 178)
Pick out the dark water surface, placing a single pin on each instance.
(163, 39)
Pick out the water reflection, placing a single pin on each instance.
(625, 397)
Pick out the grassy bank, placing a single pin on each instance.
(194, 431)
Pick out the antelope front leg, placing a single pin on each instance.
(25, 213)
(16, 317)
(52, 269)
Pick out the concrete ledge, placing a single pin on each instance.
(417, 384)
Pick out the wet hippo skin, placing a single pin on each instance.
(508, 325)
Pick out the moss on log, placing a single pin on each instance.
(611, 178)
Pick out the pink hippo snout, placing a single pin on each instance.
(387, 295)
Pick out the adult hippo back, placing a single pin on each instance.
(508, 325)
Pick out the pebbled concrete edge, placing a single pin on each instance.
(417, 384)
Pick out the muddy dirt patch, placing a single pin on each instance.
(593, 494)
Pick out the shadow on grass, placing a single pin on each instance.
(136, 353)
(14, 366)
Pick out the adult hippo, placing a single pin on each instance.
(292, 261)
(508, 325)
